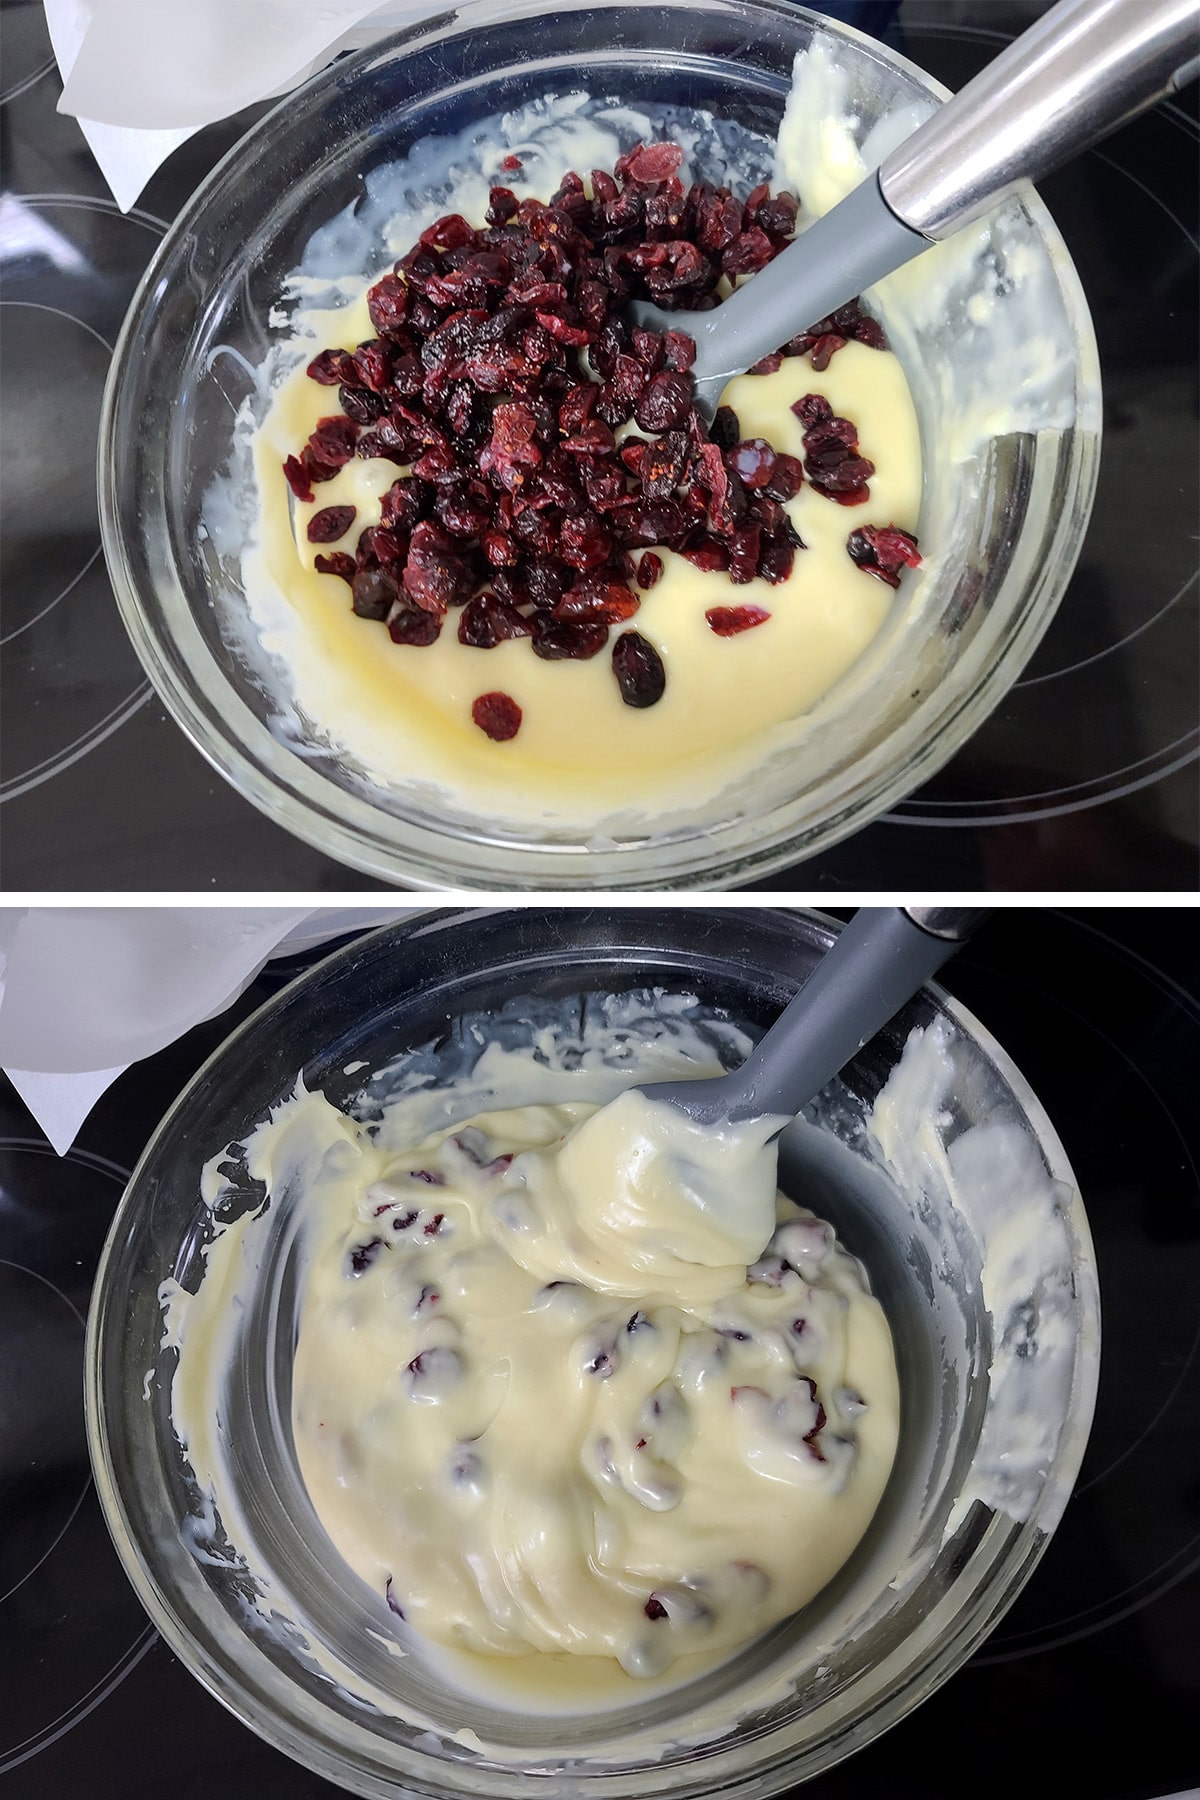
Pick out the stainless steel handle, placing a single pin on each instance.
(1081, 71)
(957, 923)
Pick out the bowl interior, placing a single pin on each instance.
(314, 1669)
(1002, 363)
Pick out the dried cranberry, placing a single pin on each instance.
(725, 429)
(361, 405)
(825, 349)
(753, 460)
(597, 599)
(649, 569)
(750, 251)
(331, 523)
(812, 409)
(375, 593)
(665, 401)
(559, 640)
(498, 716)
(775, 560)
(434, 576)
(411, 625)
(363, 1255)
(883, 551)
(743, 554)
(584, 542)
(337, 564)
(485, 622)
(654, 1608)
(680, 350)
(708, 553)
(728, 621)
(502, 204)
(785, 479)
(664, 465)
(334, 440)
(331, 367)
(767, 365)
(405, 502)
(545, 580)
(652, 162)
(387, 303)
(639, 670)
(371, 366)
(298, 478)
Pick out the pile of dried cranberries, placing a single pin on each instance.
(519, 507)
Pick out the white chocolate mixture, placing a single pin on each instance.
(574, 1389)
(543, 1404)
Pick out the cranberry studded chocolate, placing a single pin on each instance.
(518, 505)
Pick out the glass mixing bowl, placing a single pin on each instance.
(1004, 371)
(991, 1356)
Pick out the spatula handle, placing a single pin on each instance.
(1084, 69)
(881, 959)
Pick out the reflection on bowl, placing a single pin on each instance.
(1003, 368)
(978, 1248)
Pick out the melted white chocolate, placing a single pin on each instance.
(543, 1406)
(404, 713)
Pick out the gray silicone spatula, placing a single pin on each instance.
(1082, 70)
(880, 960)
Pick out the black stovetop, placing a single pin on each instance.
(1086, 777)
(1099, 1660)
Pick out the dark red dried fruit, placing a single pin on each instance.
(584, 542)
(597, 599)
(406, 501)
(639, 670)
(753, 461)
(775, 559)
(498, 716)
(832, 465)
(649, 569)
(883, 551)
(411, 625)
(825, 349)
(387, 303)
(785, 479)
(334, 440)
(337, 564)
(375, 593)
(653, 162)
(562, 640)
(767, 365)
(331, 368)
(298, 478)
(434, 576)
(331, 523)
(665, 402)
(743, 554)
(486, 622)
(371, 366)
(728, 621)
(363, 1255)
(654, 1608)
(664, 465)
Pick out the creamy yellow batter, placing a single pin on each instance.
(577, 1384)
(404, 713)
